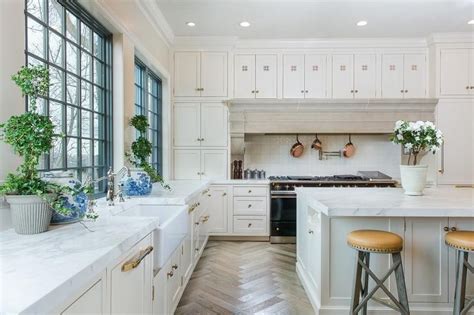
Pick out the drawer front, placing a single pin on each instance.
(251, 191)
(250, 205)
(250, 225)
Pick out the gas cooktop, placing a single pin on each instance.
(319, 178)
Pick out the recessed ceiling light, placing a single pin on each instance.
(362, 23)
(244, 24)
(471, 22)
(191, 24)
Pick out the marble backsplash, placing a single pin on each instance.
(272, 153)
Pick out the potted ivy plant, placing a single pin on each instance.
(30, 134)
(138, 156)
(417, 138)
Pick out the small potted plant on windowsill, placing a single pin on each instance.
(30, 134)
(417, 138)
(141, 183)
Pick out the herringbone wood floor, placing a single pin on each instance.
(245, 278)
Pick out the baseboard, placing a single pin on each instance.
(239, 238)
(315, 303)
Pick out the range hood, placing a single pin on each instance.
(365, 116)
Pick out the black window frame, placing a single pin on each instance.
(105, 59)
(145, 108)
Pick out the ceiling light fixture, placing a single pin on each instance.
(471, 22)
(191, 24)
(244, 24)
(362, 23)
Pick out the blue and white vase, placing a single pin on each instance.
(138, 184)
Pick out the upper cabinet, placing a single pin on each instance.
(304, 76)
(403, 76)
(354, 76)
(456, 72)
(200, 74)
(255, 76)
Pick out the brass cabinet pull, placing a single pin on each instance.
(224, 194)
(192, 207)
(196, 223)
(137, 259)
(467, 87)
(441, 169)
(446, 229)
(310, 231)
(253, 92)
(401, 91)
(196, 249)
(170, 274)
(464, 186)
(406, 91)
(206, 191)
(250, 191)
(250, 224)
(250, 206)
(175, 266)
(453, 229)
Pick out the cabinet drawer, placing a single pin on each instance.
(250, 191)
(250, 205)
(250, 225)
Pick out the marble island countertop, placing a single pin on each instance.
(39, 271)
(390, 202)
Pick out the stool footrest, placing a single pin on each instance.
(386, 303)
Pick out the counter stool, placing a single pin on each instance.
(463, 243)
(377, 242)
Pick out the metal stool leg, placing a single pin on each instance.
(460, 290)
(356, 288)
(365, 289)
(400, 278)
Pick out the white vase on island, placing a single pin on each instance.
(413, 179)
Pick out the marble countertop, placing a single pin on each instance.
(241, 182)
(390, 202)
(182, 191)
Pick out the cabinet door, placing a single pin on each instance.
(342, 76)
(91, 301)
(293, 76)
(186, 74)
(187, 251)
(187, 124)
(266, 76)
(213, 125)
(454, 72)
(364, 76)
(131, 290)
(244, 76)
(214, 74)
(414, 76)
(471, 71)
(218, 209)
(426, 260)
(392, 76)
(160, 305)
(315, 76)
(466, 224)
(173, 281)
(187, 164)
(455, 119)
(213, 164)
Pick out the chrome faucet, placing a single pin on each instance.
(110, 196)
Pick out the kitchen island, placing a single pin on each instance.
(325, 263)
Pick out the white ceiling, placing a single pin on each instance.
(317, 19)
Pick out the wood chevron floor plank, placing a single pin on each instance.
(245, 278)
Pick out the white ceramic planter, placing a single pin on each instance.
(30, 214)
(413, 179)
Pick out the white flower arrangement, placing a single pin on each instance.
(417, 137)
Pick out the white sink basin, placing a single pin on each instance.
(172, 229)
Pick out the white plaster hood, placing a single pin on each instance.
(366, 116)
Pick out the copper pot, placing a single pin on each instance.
(297, 149)
(317, 145)
(349, 149)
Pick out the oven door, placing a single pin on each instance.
(283, 207)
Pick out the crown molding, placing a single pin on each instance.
(450, 38)
(154, 15)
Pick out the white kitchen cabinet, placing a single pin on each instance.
(200, 74)
(218, 209)
(173, 280)
(187, 124)
(200, 164)
(456, 158)
(456, 72)
(92, 301)
(251, 225)
(131, 286)
(304, 76)
(187, 164)
(160, 305)
(200, 125)
(404, 75)
(426, 260)
(186, 252)
(354, 76)
(255, 76)
(460, 224)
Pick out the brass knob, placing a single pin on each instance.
(401, 91)
(224, 194)
(250, 224)
(199, 202)
(306, 91)
(302, 91)
(406, 91)
(175, 266)
(467, 87)
(357, 91)
(196, 223)
(256, 91)
(310, 231)
(352, 91)
(250, 206)
(453, 229)
(170, 274)
(196, 249)
(472, 87)
(250, 191)
(446, 229)
(253, 91)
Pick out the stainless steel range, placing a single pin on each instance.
(283, 197)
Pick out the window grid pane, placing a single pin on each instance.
(78, 57)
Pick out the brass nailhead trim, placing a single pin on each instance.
(376, 250)
(466, 249)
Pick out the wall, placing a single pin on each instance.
(272, 153)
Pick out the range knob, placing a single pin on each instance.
(276, 186)
(287, 187)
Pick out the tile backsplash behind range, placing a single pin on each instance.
(272, 153)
